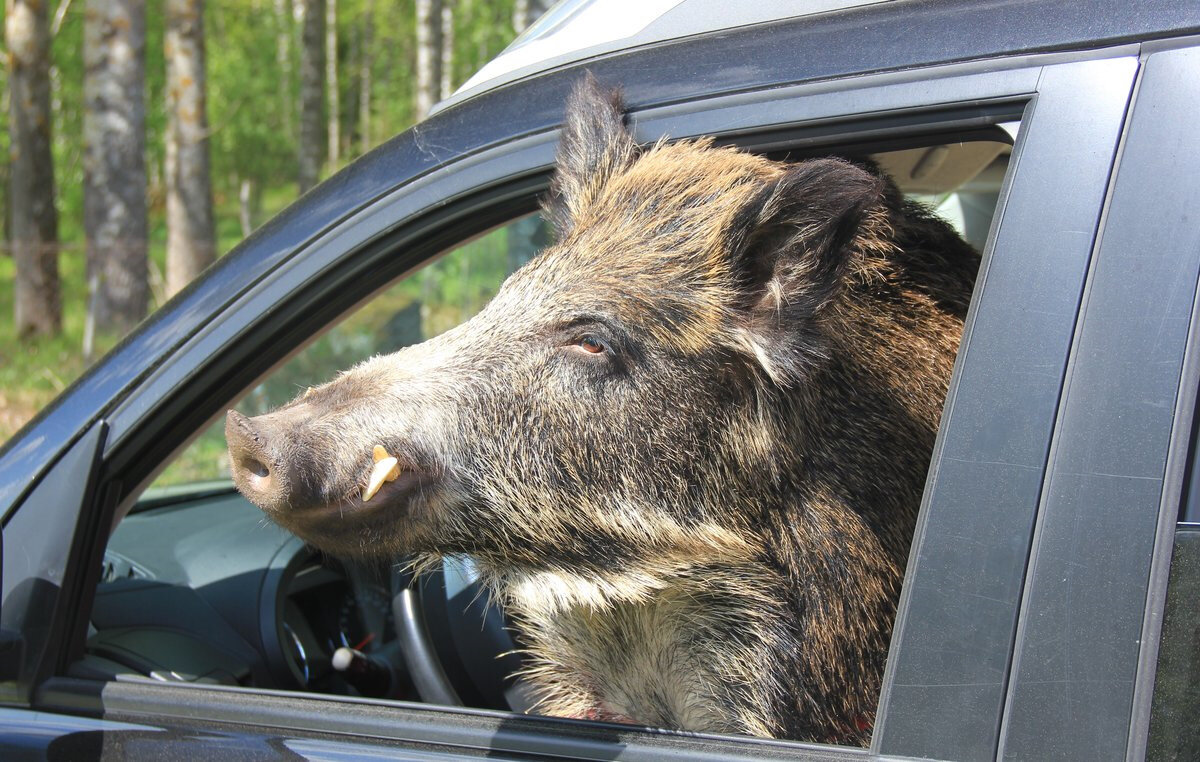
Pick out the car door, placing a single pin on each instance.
(948, 673)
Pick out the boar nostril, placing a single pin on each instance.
(257, 468)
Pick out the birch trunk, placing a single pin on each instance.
(190, 237)
(312, 70)
(283, 59)
(520, 16)
(446, 65)
(114, 188)
(245, 207)
(364, 75)
(33, 220)
(429, 55)
(333, 132)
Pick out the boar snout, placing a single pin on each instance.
(315, 483)
(257, 469)
(270, 467)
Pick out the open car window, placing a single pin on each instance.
(323, 604)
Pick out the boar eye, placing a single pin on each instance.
(593, 345)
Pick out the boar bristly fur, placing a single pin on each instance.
(685, 445)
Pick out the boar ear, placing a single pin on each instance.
(595, 145)
(799, 237)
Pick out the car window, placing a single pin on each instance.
(1175, 704)
(330, 603)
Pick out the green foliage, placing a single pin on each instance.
(66, 105)
(247, 114)
(481, 30)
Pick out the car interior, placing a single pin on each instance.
(197, 586)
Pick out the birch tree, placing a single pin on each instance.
(333, 132)
(446, 65)
(429, 55)
(190, 237)
(114, 199)
(312, 70)
(33, 219)
(364, 75)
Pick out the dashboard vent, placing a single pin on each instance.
(115, 567)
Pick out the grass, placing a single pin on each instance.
(33, 371)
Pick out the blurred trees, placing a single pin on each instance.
(61, 140)
(333, 130)
(312, 89)
(446, 51)
(362, 39)
(525, 12)
(429, 55)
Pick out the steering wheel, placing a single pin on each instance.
(456, 643)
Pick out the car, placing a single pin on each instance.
(1048, 606)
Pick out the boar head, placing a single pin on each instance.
(628, 399)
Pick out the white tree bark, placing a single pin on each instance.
(364, 75)
(429, 55)
(520, 16)
(312, 72)
(33, 219)
(333, 133)
(191, 246)
(114, 189)
(245, 207)
(446, 65)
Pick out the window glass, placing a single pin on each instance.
(1175, 706)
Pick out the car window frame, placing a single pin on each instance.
(505, 179)
(951, 673)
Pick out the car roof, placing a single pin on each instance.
(573, 31)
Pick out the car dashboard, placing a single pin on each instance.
(209, 591)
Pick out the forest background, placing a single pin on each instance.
(145, 137)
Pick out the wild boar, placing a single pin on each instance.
(685, 445)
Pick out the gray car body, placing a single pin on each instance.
(1030, 617)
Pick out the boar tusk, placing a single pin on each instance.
(385, 470)
(379, 453)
